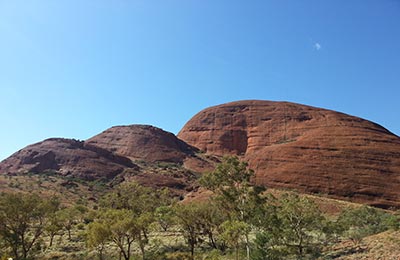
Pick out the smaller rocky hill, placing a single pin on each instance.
(150, 144)
(143, 142)
(67, 157)
(146, 154)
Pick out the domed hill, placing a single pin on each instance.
(150, 144)
(143, 142)
(304, 148)
(67, 157)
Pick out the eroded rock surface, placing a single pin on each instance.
(304, 148)
(143, 142)
(67, 157)
(150, 144)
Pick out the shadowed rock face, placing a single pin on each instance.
(66, 157)
(305, 148)
(143, 142)
(150, 144)
(111, 153)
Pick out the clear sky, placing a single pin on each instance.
(73, 68)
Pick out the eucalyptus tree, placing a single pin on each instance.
(98, 235)
(23, 221)
(363, 221)
(231, 184)
(140, 204)
(301, 225)
(233, 233)
(188, 218)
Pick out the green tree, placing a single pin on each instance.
(234, 232)
(136, 198)
(264, 247)
(98, 234)
(143, 223)
(210, 219)
(230, 182)
(54, 226)
(300, 226)
(69, 218)
(393, 221)
(363, 221)
(165, 217)
(122, 229)
(23, 221)
(142, 203)
(187, 216)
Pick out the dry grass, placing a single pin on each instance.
(382, 246)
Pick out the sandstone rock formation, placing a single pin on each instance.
(288, 145)
(66, 157)
(143, 142)
(150, 144)
(146, 154)
(304, 148)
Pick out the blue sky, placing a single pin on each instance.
(73, 68)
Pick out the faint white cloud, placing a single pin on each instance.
(317, 46)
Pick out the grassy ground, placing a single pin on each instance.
(383, 246)
(170, 245)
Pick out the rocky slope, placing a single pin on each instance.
(150, 144)
(143, 153)
(143, 142)
(304, 148)
(67, 157)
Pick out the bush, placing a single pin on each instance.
(178, 256)
(364, 221)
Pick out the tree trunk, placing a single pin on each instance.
(129, 250)
(24, 250)
(192, 251)
(125, 255)
(51, 240)
(60, 238)
(237, 252)
(101, 253)
(300, 251)
(142, 250)
(15, 251)
(212, 241)
(247, 247)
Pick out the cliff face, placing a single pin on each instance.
(304, 148)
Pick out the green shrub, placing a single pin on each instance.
(178, 256)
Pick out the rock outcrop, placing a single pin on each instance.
(291, 146)
(146, 154)
(143, 142)
(66, 157)
(304, 148)
(150, 144)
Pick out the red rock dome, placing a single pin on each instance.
(305, 148)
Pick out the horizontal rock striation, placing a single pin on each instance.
(304, 148)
